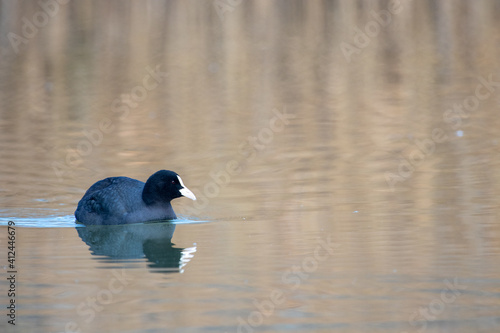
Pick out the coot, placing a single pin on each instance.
(120, 200)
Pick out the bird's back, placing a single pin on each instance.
(109, 201)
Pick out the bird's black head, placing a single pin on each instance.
(163, 186)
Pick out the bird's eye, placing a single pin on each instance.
(173, 182)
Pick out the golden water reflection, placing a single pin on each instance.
(390, 146)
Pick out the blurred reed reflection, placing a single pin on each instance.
(126, 88)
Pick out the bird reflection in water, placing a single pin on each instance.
(131, 241)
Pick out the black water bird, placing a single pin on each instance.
(122, 200)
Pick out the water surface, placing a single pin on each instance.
(347, 181)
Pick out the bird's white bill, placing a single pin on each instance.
(185, 191)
